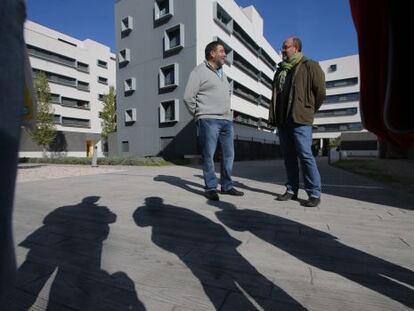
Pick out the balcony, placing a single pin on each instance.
(50, 56)
(75, 103)
(246, 39)
(75, 122)
(244, 92)
(267, 59)
(245, 66)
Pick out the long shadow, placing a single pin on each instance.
(211, 255)
(322, 250)
(63, 265)
(241, 185)
(335, 182)
(182, 183)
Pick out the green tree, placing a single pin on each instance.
(45, 132)
(108, 114)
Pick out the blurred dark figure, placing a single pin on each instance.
(385, 36)
(65, 258)
(12, 16)
(211, 254)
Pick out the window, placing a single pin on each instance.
(332, 68)
(339, 98)
(222, 18)
(169, 111)
(103, 80)
(102, 63)
(75, 122)
(125, 146)
(101, 97)
(126, 26)
(130, 116)
(163, 11)
(55, 98)
(57, 119)
(83, 86)
(129, 86)
(82, 67)
(228, 49)
(344, 127)
(341, 82)
(124, 57)
(174, 39)
(74, 103)
(337, 112)
(168, 78)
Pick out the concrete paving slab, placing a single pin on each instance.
(145, 238)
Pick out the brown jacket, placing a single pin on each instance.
(306, 94)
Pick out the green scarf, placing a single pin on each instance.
(286, 66)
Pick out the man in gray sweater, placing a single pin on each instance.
(207, 97)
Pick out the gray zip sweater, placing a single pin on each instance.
(207, 96)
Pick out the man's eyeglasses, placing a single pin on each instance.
(285, 47)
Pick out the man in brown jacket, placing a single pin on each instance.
(298, 92)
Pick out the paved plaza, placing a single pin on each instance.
(145, 238)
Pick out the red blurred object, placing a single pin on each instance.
(385, 38)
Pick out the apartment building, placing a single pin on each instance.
(158, 43)
(340, 110)
(79, 74)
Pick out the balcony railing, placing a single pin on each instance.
(72, 122)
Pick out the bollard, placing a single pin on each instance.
(95, 156)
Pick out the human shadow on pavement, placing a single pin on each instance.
(182, 183)
(206, 248)
(322, 250)
(63, 265)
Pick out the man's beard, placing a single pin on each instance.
(219, 63)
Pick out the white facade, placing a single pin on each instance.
(79, 74)
(209, 26)
(340, 111)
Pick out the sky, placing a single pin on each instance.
(324, 26)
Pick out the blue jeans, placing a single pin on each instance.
(296, 142)
(211, 131)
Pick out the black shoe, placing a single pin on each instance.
(312, 202)
(233, 191)
(287, 196)
(212, 195)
